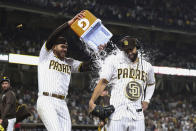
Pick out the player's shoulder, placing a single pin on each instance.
(69, 60)
(109, 59)
(10, 93)
(146, 63)
(114, 56)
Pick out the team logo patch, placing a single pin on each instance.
(133, 90)
(125, 42)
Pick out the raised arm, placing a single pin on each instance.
(61, 29)
(55, 34)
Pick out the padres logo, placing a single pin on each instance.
(83, 23)
(133, 90)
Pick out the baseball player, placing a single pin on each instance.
(54, 73)
(133, 84)
(8, 105)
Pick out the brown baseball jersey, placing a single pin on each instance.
(8, 104)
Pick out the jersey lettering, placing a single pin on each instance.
(60, 67)
(132, 73)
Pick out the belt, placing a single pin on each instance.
(138, 110)
(54, 95)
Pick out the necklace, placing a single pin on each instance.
(134, 76)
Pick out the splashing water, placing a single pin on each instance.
(98, 61)
(99, 57)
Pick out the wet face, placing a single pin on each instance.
(60, 50)
(5, 85)
(132, 54)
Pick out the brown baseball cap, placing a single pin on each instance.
(61, 40)
(128, 42)
(5, 78)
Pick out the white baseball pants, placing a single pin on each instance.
(54, 113)
(125, 124)
(11, 123)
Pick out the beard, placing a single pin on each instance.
(133, 57)
(60, 54)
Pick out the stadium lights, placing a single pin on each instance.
(174, 71)
(33, 60)
(23, 59)
(3, 57)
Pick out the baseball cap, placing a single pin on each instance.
(58, 40)
(61, 40)
(5, 78)
(128, 42)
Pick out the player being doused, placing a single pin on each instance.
(133, 84)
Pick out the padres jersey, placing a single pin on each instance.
(128, 82)
(54, 74)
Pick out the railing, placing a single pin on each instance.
(41, 127)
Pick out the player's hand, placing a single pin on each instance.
(91, 106)
(77, 17)
(1, 121)
(144, 105)
(104, 93)
(102, 47)
(101, 123)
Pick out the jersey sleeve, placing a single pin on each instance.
(150, 87)
(10, 99)
(151, 77)
(107, 70)
(75, 66)
(44, 52)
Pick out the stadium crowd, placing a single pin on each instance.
(20, 42)
(170, 114)
(165, 13)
